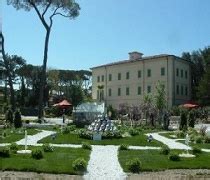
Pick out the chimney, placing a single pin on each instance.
(135, 55)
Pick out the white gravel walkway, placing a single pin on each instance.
(171, 143)
(104, 165)
(33, 139)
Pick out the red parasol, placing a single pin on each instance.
(63, 103)
(188, 105)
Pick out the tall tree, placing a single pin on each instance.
(46, 11)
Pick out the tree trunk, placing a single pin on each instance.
(43, 74)
(12, 94)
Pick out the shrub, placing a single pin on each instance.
(198, 139)
(4, 152)
(37, 154)
(207, 139)
(13, 147)
(134, 165)
(47, 148)
(191, 118)
(9, 116)
(17, 119)
(86, 145)
(183, 121)
(165, 150)
(180, 134)
(79, 164)
(123, 147)
(203, 130)
(175, 111)
(72, 127)
(111, 135)
(133, 132)
(66, 130)
(196, 150)
(27, 121)
(85, 134)
(174, 157)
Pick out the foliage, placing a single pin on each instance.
(79, 164)
(134, 165)
(123, 147)
(174, 157)
(183, 121)
(13, 147)
(9, 116)
(207, 139)
(17, 119)
(66, 130)
(37, 154)
(112, 135)
(72, 128)
(191, 118)
(47, 148)
(4, 152)
(180, 134)
(175, 111)
(85, 134)
(196, 150)
(86, 145)
(203, 130)
(113, 112)
(165, 150)
(198, 139)
(133, 132)
(76, 95)
(160, 97)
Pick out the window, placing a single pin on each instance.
(182, 90)
(148, 89)
(119, 92)
(98, 78)
(119, 76)
(102, 78)
(182, 73)
(162, 71)
(110, 77)
(186, 74)
(177, 89)
(177, 72)
(139, 74)
(110, 92)
(127, 75)
(127, 91)
(186, 91)
(139, 90)
(148, 72)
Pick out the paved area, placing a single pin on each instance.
(171, 143)
(103, 164)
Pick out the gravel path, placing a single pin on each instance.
(171, 143)
(103, 164)
(33, 139)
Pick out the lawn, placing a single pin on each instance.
(139, 140)
(152, 160)
(198, 145)
(13, 135)
(59, 161)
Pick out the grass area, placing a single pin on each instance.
(13, 135)
(139, 140)
(59, 161)
(198, 145)
(152, 160)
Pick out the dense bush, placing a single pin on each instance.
(174, 157)
(113, 112)
(196, 150)
(72, 127)
(175, 111)
(165, 150)
(133, 132)
(9, 116)
(86, 145)
(37, 154)
(191, 118)
(112, 135)
(207, 139)
(47, 148)
(17, 119)
(66, 130)
(13, 147)
(79, 164)
(198, 139)
(183, 121)
(180, 134)
(134, 165)
(123, 147)
(4, 152)
(85, 134)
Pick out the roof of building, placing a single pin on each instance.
(141, 59)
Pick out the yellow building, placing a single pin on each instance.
(128, 81)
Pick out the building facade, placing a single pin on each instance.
(128, 81)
